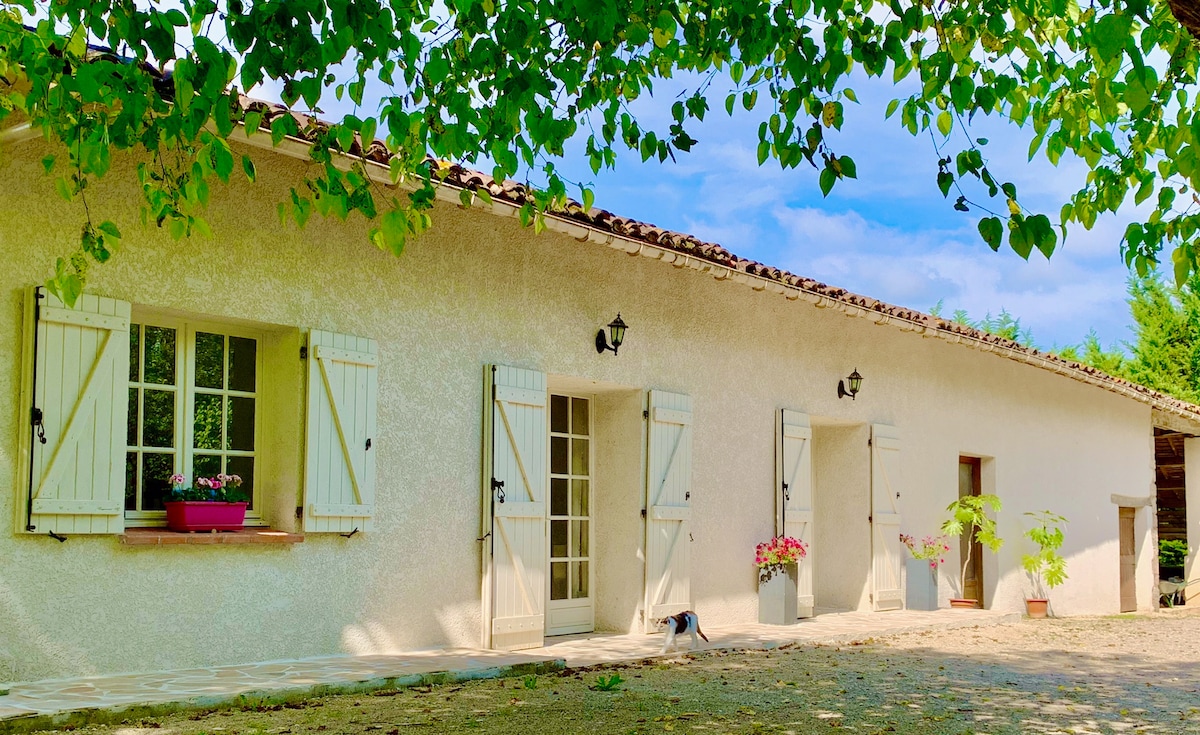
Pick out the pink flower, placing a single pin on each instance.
(177, 479)
(203, 482)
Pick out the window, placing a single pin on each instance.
(570, 476)
(193, 408)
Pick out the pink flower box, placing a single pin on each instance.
(196, 515)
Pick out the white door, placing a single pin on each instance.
(516, 479)
(668, 506)
(887, 558)
(570, 604)
(795, 499)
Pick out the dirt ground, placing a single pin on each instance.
(1124, 674)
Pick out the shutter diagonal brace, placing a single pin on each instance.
(86, 401)
(662, 483)
(337, 422)
(512, 441)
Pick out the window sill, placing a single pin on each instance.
(164, 537)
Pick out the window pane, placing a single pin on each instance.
(558, 455)
(558, 539)
(579, 497)
(243, 467)
(239, 429)
(206, 465)
(132, 422)
(558, 414)
(242, 361)
(210, 360)
(135, 356)
(558, 497)
(579, 456)
(579, 538)
(579, 416)
(160, 356)
(579, 575)
(158, 419)
(131, 480)
(156, 480)
(207, 426)
(558, 581)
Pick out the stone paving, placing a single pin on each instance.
(75, 700)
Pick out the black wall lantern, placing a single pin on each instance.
(855, 381)
(616, 330)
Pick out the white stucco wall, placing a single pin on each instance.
(480, 289)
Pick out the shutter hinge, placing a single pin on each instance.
(299, 512)
(643, 512)
(56, 537)
(303, 352)
(870, 441)
(646, 414)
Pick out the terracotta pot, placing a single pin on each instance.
(1036, 608)
(192, 515)
(960, 604)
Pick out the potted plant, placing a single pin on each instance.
(208, 504)
(1047, 569)
(921, 590)
(777, 560)
(968, 515)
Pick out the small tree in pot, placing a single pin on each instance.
(1047, 569)
(968, 515)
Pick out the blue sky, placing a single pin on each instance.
(889, 234)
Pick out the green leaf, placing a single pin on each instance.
(992, 231)
(849, 170)
(826, 180)
(945, 180)
(110, 229)
(589, 198)
(1110, 34)
(248, 167)
(48, 163)
(891, 108)
(945, 123)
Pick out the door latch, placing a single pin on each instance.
(498, 488)
(36, 420)
(786, 495)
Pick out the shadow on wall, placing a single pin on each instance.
(27, 652)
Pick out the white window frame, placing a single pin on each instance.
(185, 373)
(570, 476)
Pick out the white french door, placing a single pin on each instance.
(570, 606)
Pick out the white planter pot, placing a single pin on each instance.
(777, 597)
(921, 591)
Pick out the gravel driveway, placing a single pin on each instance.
(1123, 674)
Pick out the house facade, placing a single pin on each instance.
(438, 455)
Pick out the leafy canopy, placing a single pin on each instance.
(509, 82)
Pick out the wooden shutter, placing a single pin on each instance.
(668, 506)
(517, 478)
(887, 559)
(795, 496)
(339, 476)
(80, 386)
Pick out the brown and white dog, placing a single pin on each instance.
(684, 622)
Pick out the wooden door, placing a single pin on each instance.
(1128, 560)
(668, 506)
(516, 479)
(795, 499)
(887, 558)
(969, 482)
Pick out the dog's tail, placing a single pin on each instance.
(701, 634)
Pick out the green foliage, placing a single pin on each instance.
(1172, 552)
(1047, 568)
(610, 683)
(1111, 83)
(530, 681)
(968, 515)
(1003, 325)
